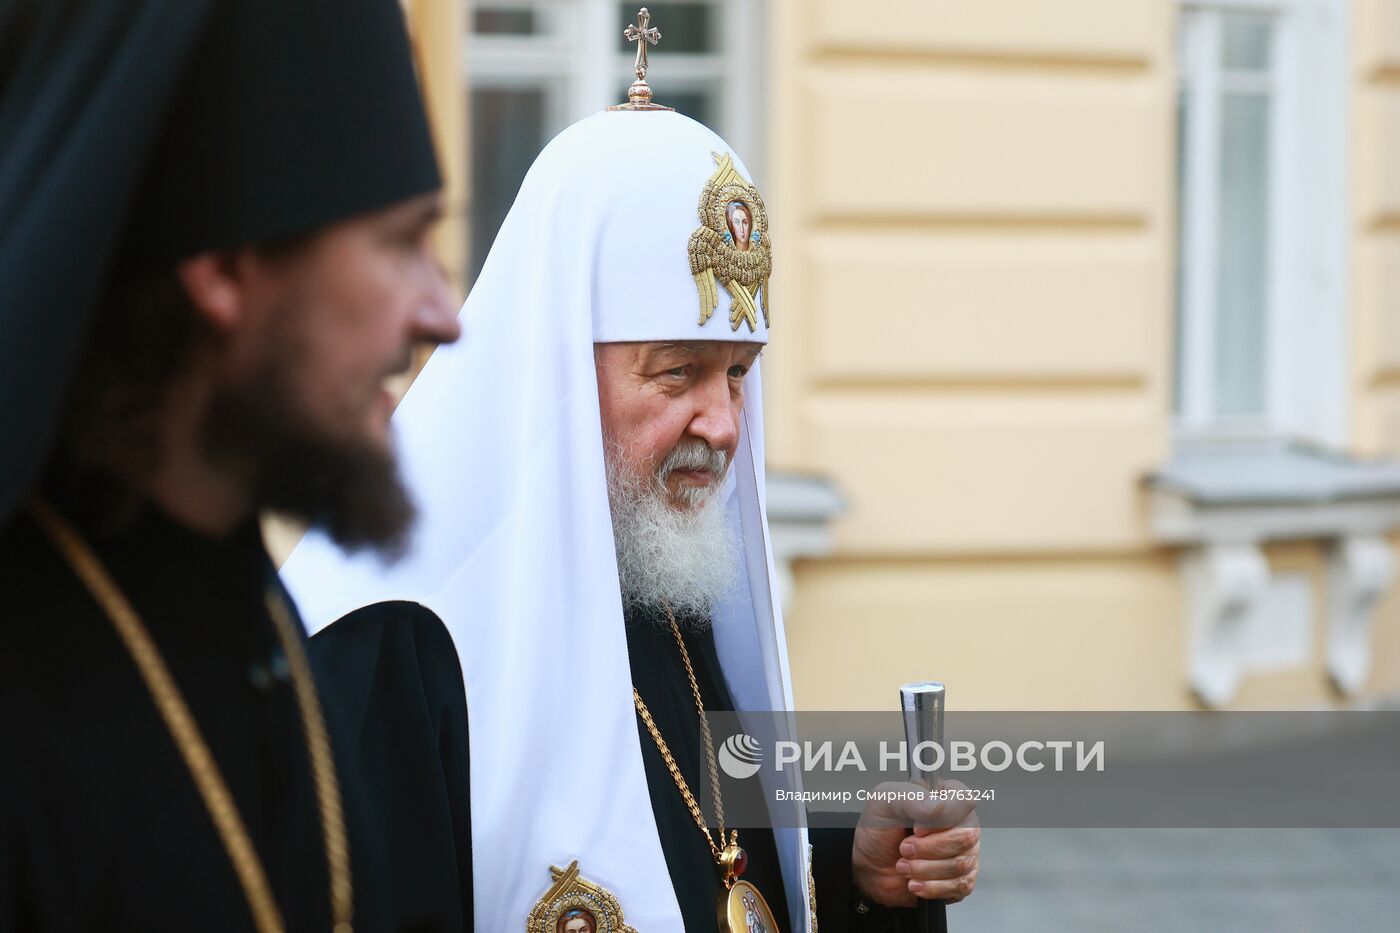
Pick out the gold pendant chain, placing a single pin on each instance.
(718, 851)
(318, 744)
(199, 760)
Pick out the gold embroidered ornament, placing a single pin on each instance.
(731, 247)
(575, 905)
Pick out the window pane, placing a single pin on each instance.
(1242, 280)
(685, 27)
(698, 105)
(1247, 40)
(504, 21)
(507, 133)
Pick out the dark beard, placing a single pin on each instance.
(348, 488)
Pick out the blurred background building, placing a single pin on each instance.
(1087, 319)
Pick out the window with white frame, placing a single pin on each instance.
(533, 67)
(1261, 278)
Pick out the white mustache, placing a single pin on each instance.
(693, 455)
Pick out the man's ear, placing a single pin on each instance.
(215, 289)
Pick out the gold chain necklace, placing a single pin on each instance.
(183, 728)
(741, 907)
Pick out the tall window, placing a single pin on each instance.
(535, 66)
(1261, 219)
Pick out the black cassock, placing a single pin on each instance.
(101, 826)
(658, 673)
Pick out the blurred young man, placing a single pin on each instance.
(213, 254)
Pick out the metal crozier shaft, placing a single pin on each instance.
(922, 704)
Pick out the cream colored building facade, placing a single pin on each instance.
(991, 303)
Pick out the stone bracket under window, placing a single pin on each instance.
(1219, 505)
(1360, 571)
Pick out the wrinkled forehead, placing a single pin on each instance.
(683, 349)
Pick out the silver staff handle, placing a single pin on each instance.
(923, 705)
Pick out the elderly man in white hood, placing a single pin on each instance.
(589, 466)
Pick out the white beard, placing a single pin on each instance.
(684, 558)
